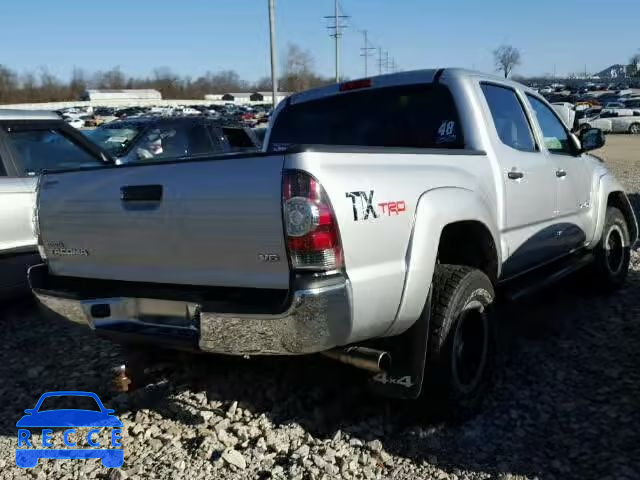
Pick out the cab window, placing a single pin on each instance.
(556, 137)
(509, 118)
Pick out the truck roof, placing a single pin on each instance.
(411, 77)
(14, 114)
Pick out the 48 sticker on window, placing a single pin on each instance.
(447, 132)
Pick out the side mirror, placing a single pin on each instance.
(29, 411)
(591, 139)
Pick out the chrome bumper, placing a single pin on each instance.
(316, 320)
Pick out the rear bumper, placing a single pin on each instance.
(318, 318)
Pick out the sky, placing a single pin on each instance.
(195, 36)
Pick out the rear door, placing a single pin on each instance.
(207, 222)
(572, 177)
(528, 179)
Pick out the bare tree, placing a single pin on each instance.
(633, 69)
(262, 85)
(506, 58)
(43, 86)
(78, 83)
(297, 68)
(111, 79)
(8, 83)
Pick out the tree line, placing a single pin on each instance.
(297, 69)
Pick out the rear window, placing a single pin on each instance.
(421, 116)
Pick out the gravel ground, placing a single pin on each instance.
(566, 403)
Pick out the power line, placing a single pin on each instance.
(337, 27)
(369, 47)
(366, 53)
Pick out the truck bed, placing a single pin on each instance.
(188, 222)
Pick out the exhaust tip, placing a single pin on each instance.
(364, 358)
(384, 362)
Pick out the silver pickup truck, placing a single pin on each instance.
(377, 227)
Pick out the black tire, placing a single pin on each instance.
(613, 252)
(461, 349)
(634, 128)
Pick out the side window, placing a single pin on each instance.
(48, 149)
(509, 118)
(200, 141)
(556, 138)
(175, 140)
(238, 139)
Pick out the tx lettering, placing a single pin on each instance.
(365, 204)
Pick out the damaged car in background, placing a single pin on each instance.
(145, 139)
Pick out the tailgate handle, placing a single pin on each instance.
(141, 193)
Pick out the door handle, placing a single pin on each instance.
(514, 175)
(561, 173)
(141, 193)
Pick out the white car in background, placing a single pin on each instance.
(625, 108)
(628, 124)
(566, 111)
(77, 122)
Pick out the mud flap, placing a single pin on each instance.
(408, 353)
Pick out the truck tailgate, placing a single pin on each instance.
(214, 222)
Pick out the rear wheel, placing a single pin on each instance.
(613, 252)
(461, 341)
(634, 128)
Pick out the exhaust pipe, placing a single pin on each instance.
(364, 358)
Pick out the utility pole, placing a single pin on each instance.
(386, 62)
(366, 53)
(272, 37)
(379, 60)
(336, 35)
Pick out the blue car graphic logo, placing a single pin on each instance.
(69, 418)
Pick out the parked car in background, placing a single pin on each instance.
(149, 139)
(633, 102)
(31, 142)
(611, 123)
(567, 113)
(77, 122)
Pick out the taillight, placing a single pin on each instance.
(310, 224)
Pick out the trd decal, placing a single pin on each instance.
(365, 209)
(395, 208)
